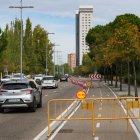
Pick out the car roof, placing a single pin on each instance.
(26, 81)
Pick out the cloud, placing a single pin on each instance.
(58, 16)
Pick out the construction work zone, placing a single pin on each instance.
(109, 108)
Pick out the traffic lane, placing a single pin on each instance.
(23, 124)
(104, 130)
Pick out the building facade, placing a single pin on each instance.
(84, 18)
(72, 60)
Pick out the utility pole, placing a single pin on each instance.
(21, 34)
(54, 59)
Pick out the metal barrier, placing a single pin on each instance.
(109, 108)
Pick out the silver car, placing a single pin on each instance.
(5, 78)
(16, 94)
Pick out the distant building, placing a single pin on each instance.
(72, 60)
(84, 18)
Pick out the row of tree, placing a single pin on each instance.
(114, 50)
(35, 43)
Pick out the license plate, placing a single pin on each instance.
(14, 100)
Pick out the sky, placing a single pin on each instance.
(58, 16)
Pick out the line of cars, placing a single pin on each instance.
(49, 81)
(20, 92)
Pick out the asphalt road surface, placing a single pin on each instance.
(21, 124)
(104, 129)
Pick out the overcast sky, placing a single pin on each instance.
(58, 16)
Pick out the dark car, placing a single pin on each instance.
(64, 78)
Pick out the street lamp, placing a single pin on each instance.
(54, 58)
(21, 37)
(57, 60)
(46, 51)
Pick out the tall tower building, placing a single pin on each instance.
(84, 18)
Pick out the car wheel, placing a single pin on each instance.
(1, 110)
(40, 102)
(34, 105)
(56, 86)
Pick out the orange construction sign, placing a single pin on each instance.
(80, 94)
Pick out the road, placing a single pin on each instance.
(104, 129)
(24, 125)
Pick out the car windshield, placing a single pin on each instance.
(48, 78)
(13, 86)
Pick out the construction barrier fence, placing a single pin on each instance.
(89, 108)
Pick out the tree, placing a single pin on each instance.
(28, 47)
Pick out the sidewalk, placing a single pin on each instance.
(123, 93)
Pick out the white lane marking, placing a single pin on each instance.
(96, 138)
(130, 120)
(98, 125)
(87, 90)
(100, 92)
(59, 128)
(46, 129)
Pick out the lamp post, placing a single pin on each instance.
(21, 37)
(57, 60)
(54, 58)
(46, 51)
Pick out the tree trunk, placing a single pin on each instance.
(128, 63)
(135, 80)
(116, 79)
(111, 75)
(105, 74)
(121, 78)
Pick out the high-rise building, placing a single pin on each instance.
(72, 60)
(84, 18)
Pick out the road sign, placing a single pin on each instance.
(80, 94)
(95, 76)
(88, 84)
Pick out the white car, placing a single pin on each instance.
(5, 78)
(17, 76)
(49, 82)
(38, 77)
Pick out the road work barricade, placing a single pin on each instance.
(93, 109)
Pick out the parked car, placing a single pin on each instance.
(5, 78)
(21, 93)
(49, 81)
(64, 78)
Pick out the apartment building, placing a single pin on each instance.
(72, 60)
(84, 18)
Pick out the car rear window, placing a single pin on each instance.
(48, 78)
(14, 86)
(4, 77)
